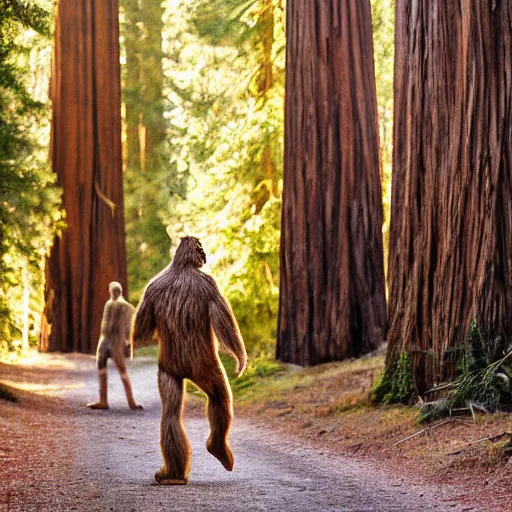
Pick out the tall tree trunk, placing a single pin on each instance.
(332, 302)
(86, 155)
(451, 221)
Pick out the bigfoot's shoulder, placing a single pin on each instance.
(207, 285)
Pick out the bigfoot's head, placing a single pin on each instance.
(115, 290)
(190, 253)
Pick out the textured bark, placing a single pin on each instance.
(86, 155)
(332, 301)
(450, 241)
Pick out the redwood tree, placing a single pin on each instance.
(332, 301)
(86, 155)
(451, 222)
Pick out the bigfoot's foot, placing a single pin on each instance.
(222, 452)
(98, 405)
(162, 478)
(135, 405)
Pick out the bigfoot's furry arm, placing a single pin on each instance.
(226, 328)
(144, 320)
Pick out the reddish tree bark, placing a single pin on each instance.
(86, 155)
(332, 301)
(451, 220)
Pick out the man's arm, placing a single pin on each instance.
(105, 319)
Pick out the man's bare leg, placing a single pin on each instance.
(129, 393)
(121, 366)
(103, 403)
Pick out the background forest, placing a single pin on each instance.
(203, 91)
(126, 124)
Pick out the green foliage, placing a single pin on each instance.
(147, 243)
(396, 384)
(149, 176)
(383, 25)
(484, 380)
(252, 255)
(29, 200)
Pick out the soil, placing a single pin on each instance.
(55, 454)
(327, 406)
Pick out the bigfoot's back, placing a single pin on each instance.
(183, 306)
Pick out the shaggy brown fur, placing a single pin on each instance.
(115, 331)
(185, 309)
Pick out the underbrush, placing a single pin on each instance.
(259, 370)
(484, 379)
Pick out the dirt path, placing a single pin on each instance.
(105, 460)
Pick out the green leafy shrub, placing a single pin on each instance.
(30, 215)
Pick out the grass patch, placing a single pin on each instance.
(353, 403)
(259, 370)
(147, 351)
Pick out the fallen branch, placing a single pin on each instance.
(471, 408)
(493, 439)
(479, 407)
(427, 429)
(449, 385)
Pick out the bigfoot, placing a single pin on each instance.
(185, 309)
(115, 330)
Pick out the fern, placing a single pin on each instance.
(484, 380)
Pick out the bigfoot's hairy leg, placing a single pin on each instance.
(220, 413)
(103, 403)
(174, 442)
